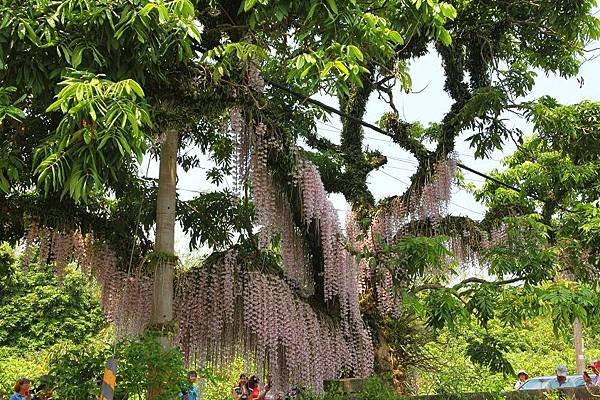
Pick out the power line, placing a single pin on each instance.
(375, 128)
(451, 202)
(465, 208)
(393, 177)
(337, 130)
(379, 130)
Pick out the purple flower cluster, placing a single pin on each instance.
(261, 318)
(126, 297)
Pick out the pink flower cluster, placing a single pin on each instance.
(391, 221)
(268, 317)
(242, 146)
(273, 213)
(318, 209)
(263, 319)
(496, 236)
(435, 195)
(254, 78)
(126, 298)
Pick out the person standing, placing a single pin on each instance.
(522, 377)
(587, 379)
(44, 390)
(595, 367)
(561, 377)
(256, 392)
(191, 393)
(21, 390)
(241, 391)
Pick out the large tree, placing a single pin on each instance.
(496, 50)
(557, 171)
(130, 75)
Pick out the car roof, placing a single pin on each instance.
(542, 382)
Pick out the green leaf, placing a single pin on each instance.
(355, 51)
(341, 67)
(21, 31)
(444, 37)
(332, 6)
(306, 71)
(448, 10)
(76, 57)
(135, 87)
(248, 4)
(395, 37)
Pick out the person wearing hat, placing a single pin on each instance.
(561, 377)
(522, 377)
(595, 367)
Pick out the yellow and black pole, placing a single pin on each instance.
(108, 381)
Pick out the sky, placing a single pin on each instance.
(429, 104)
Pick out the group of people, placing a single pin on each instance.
(250, 388)
(592, 381)
(23, 390)
(561, 376)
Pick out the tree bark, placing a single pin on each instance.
(162, 296)
(162, 301)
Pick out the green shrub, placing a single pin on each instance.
(377, 389)
(218, 382)
(37, 312)
(141, 364)
(15, 365)
(145, 364)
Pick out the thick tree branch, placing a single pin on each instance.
(435, 286)
(398, 131)
(358, 164)
(319, 143)
(450, 226)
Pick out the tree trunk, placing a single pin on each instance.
(162, 300)
(579, 352)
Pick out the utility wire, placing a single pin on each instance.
(375, 128)
(379, 130)
(451, 202)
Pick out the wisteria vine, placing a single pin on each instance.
(125, 297)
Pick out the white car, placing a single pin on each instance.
(542, 382)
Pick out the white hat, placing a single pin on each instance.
(561, 370)
(522, 371)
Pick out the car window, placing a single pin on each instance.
(534, 384)
(576, 381)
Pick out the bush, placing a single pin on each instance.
(377, 389)
(219, 382)
(14, 365)
(144, 365)
(75, 368)
(36, 311)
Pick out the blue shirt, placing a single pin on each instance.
(554, 384)
(17, 396)
(192, 394)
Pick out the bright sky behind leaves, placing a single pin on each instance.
(428, 105)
